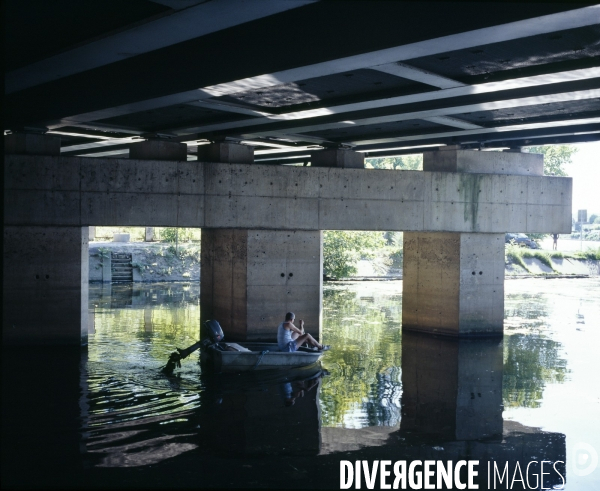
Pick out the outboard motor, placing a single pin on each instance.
(211, 334)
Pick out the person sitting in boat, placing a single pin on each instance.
(290, 338)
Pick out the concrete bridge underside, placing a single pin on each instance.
(262, 233)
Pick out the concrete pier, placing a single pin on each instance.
(226, 152)
(453, 283)
(251, 278)
(338, 157)
(45, 277)
(454, 216)
(31, 144)
(156, 149)
(45, 283)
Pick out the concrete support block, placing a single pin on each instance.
(337, 157)
(453, 283)
(158, 150)
(45, 285)
(453, 159)
(227, 153)
(452, 387)
(121, 237)
(92, 231)
(149, 234)
(31, 144)
(251, 278)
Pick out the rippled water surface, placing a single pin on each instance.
(378, 394)
(548, 378)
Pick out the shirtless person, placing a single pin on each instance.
(290, 338)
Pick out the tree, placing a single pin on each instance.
(405, 162)
(342, 250)
(556, 158)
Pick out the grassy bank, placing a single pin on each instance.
(516, 255)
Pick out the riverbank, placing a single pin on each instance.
(144, 261)
(159, 261)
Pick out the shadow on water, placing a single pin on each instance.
(108, 418)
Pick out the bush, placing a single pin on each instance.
(514, 254)
(342, 250)
(593, 254)
(397, 257)
(169, 234)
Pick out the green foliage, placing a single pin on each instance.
(342, 250)
(104, 252)
(514, 254)
(530, 362)
(366, 334)
(394, 238)
(397, 257)
(593, 254)
(404, 162)
(542, 257)
(169, 234)
(556, 158)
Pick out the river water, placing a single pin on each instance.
(379, 394)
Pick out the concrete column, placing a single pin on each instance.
(92, 233)
(232, 153)
(251, 278)
(158, 150)
(337, 157)
(46, 269)
(453, 283)
(31, 144)
(45, 285)
(452, 388)
(149, 234)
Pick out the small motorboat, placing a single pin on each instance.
(235, 357)
(257, 356)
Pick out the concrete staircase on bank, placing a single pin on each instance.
(121, 268)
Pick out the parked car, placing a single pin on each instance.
(521, 240)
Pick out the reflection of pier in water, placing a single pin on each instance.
(451, 410)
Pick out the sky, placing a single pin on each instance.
(585, 171)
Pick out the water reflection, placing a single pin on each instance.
(452, 388)
(385, 390)
(388, 395)
(363, 324)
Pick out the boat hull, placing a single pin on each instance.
(262, 356)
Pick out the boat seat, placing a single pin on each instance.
(237, 347)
